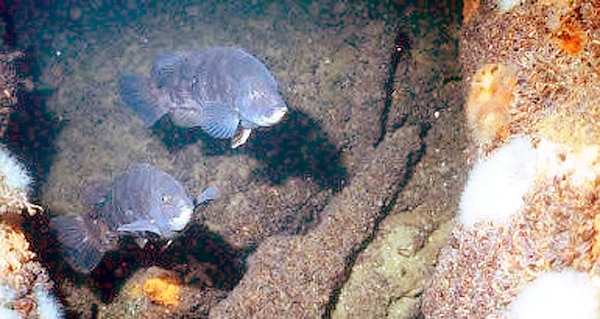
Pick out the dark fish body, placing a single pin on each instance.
(142, 200)
(225, 91)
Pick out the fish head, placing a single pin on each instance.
(165, 219)
(171, 208)
(177, 210)
(261, 105)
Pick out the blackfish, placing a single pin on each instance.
(227, 92)
(142, 200)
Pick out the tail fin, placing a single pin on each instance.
(81, 249)
(136, 92)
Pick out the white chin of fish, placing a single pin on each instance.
(273, 119)
(179, 222)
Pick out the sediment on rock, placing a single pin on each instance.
(298, 276)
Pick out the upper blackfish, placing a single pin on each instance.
(227, 92)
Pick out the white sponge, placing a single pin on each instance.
(496, 185)
(6, 313)
(7, 297)
(508, 5)
(567, 294)
(48, 306)
(13, 173)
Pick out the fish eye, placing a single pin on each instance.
(166, 199)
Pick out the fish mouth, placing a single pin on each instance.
(274, 118)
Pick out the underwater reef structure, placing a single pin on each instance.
(526, 243)
(343, 196)
(295, 276)
(26, 290)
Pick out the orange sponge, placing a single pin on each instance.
(470, 8)
(489, 102)
(160, 288)
(163, 290)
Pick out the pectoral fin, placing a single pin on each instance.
(139, 226)
(219, 120)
